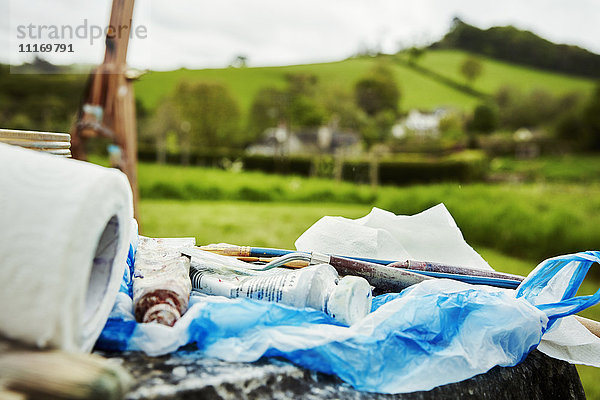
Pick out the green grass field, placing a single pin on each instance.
(418, 91)
(279, 224)
(495, 74)
(572, 168)
(531, 221)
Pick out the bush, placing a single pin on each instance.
(485, 119)
(297, 165)
(162, 190)
(356, 171)
(471, 68)
(533, 222)
(535, 108)
(251, 193)
(209, 112)
(467, 166)
(300, 165)
(378, 91)
(195, 191)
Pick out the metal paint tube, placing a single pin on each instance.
(161, 283)
(347, 300)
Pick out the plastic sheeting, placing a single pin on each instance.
(433, 333)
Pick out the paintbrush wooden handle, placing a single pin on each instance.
(590, 324)
(10, 395)
(226, 249)
(450, 269)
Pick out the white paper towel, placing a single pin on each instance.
(64, 237)
(571, 341)
(431, 235)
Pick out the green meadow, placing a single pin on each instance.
(496, 74)
(531, 221)
(570, 168)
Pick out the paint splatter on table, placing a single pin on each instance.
(184, 375)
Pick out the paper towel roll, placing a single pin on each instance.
(64, 238)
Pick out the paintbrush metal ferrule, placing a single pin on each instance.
(266, 260)
(226, 249)
(319, 258)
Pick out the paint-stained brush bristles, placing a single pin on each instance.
(59, 375)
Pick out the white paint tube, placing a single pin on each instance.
(347, 300)
(161, 282)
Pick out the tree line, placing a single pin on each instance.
(571, 118)
(521, 47)
(205, 114)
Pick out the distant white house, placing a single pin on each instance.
(419, 123)
(322, 140)
(526, 145)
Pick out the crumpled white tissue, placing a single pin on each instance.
(571, 341)
(432, 235)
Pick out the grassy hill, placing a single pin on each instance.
(418, 90)
(498, 73)
(244, 83)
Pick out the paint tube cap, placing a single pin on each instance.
(350, 300)
(162, 313)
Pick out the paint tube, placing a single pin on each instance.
(347, 299)
(161, 282)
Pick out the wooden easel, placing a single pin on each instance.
(109, 102)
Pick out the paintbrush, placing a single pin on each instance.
(226, 249)
(59, 375)
(266, 260)
(345, 262)
(434, 270)
(427, 266)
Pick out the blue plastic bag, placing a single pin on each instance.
(437, 332)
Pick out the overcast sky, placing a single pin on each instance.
(210, 33)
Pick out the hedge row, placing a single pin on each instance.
(468, 166)
(403, 172)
